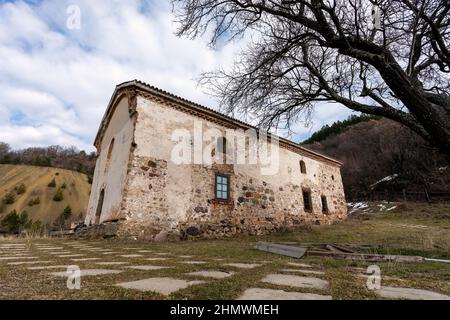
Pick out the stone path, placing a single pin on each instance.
(303, 271)
(147, 267)
(243, 265)
(163, 286)
(286, 283)
(110, 263)
(211, 274)
(88, 272)
(410, 294)
(296, 281)
(269, 294)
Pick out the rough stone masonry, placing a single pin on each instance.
(138, 185)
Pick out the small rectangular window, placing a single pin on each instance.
(222, 187)
(324, 204)
(307, 204)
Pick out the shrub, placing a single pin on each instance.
(64, 186)
(10, 198)
(20, 189)
(36, 228)
(52, 183)
(24, 221)
(2, 207)
(11, 222)
(58, 197)
(34, 201)
(62, 218)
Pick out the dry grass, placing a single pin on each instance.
(36, 180)
(394, 232)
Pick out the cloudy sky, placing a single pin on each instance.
(56, 81)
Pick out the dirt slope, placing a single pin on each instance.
(36, 180)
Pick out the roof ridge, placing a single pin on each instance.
(146, 86)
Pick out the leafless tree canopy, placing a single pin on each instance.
(303, 52)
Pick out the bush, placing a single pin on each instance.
(11, 223)
(37, 229)
(2, 207)
(52, 183)
(58, 197)
(10, 198)
(34, 201)
(64, 186)
(20, 189)
(62, 218)
(14, 223)
(24, 221)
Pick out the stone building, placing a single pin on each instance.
(140, 183)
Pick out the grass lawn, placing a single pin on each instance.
(413, 229)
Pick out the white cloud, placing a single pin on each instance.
(55, 83)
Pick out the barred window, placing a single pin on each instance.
(307, 204)
(324, 204)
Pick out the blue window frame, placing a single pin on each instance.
(222, 187)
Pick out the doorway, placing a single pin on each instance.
(99, 206)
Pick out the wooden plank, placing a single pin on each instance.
(343, 248)
(437, 260)
(366, 257)
(285, 250)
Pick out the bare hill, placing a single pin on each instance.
(73, 185)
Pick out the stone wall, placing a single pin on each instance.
(161, 196)
(112, 178)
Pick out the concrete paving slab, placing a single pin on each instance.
(71, 255)
(163, 286)
(85, 259)
(27, 263)
(269, 294)
(303, 271)
(301, 265)
(211, 274)
(193, 262)
(110, 263)
(296, 281)
(48, 267)
(410, 294)
(147, 267)
(6, 258)
(88, 272)
(243, 265)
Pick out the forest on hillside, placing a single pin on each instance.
(381, 156)
(54, 156)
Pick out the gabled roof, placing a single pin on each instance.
(205, 111)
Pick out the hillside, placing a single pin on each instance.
(36, 180)
(383, 151)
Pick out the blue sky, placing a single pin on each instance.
(55, 82)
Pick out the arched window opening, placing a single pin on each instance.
(222, 145)
(302, 167)
(109, 156)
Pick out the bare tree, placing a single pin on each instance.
(389, 58)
